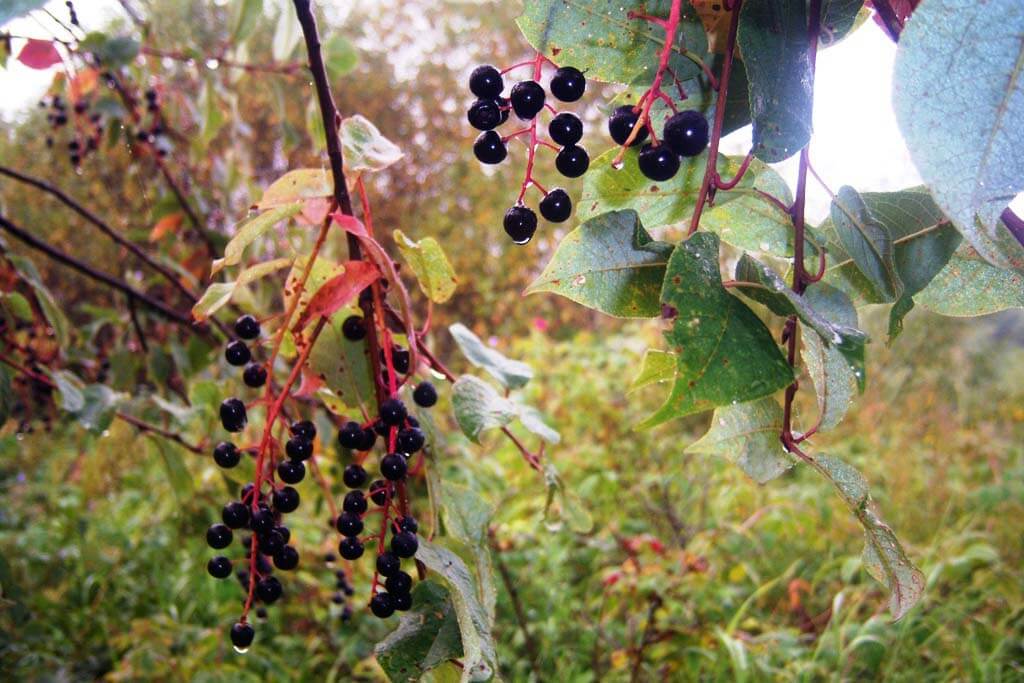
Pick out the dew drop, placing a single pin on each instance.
(240, 650)
(212, 64)
(618, 165)
(764, 246)
(579, 280)
(522, 241)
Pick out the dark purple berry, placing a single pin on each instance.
(303, 428)
(262, 520)
(237, 353)
(621, 124)
(354, 502)
(402, 601)
(686, 133)
(299, 448)
(485, 81)
(404, 544)
(226, 454)
(382, 605)
(565, 129)
(527, 99)
(392, 412)
(520, 223)
(399, 582)
(409, 523)
(424, 395)
(394, 466)
(287, 558)
(350, 436)
(349, 524)
(354, 328)
(286, 499)
(254, 375)
(484, 114)
(219, 536)
(379, 491)
(489, 148)
(232, 415)
(658, 163)
(388, 563)
(271, 542)
(366, 441)
(350, 548)
(568, 84)
(241, 636)
(247, 327)
(269, 589)
(219, 567)
(235, 515)
(410, 440)
(556, 206)
(354, 476)
(291, 471)
(572, 161)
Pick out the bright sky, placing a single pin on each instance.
(856, 141)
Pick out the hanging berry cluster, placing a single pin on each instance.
(527, 100)
(685, 134)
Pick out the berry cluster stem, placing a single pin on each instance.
(528, 180)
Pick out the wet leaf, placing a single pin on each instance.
(511, 373)
(747, 434)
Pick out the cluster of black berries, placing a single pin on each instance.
(85, 138)
(237, 353)
(403, 438)
(685, 135)
(527, 99)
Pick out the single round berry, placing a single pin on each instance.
(658, 163)
(388, 563)
(245, 495)
(354, 328)
(400, 359)
(232, 415)
(394, 466)
(686, 133)
(287, 558)
(226, 454)
(350, 436)
(338, 599)
(404, 544)
(286, 499)
(485, 81)
(349, 524)
(568, 84)
(254, 375)
(565, 129)
(285, 532)
(399, 582)
(299, 448)
(235, 515)
(241, 636)
(271, 542)
(291, 471)
(219, 536)
(219, 567)
(527, 99)
(402, 601)
(409, 523)
(269, 589)
(382, 605)
(556, 206)
(410, 440)
(489, 148)
(237, 353)
(484, 114)
(368, 438)
(303, 428)
(379, 491)
(247, 327)
(350, 548)
(520, 223)
(621, 123)
(392, 412)
(424, 395)
(262, 520)
(354, 476)
(354, 502)
(572, 161)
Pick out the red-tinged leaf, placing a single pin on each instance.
(350, 224)
(83, 83)
(314, 211)
(338, 291)
(311, 383)
(39, 54)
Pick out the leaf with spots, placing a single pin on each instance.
(478, 407)
(426, 637)
(835, 382)
(867, 241)
(342, 364)
(747, 434)
(969, 285)
(657, 366)
(724, 353)
(430, 265)
(611, 264)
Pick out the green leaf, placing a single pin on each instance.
(303, 183)
(513, 374)
(47, 304)
(532, 419)
(609, 264)
(773, 40)
(867, 241)
(657, 366)
(218, 294)
(969, 286)
(884, 557)
(466, 519)
(364, 147)
(18, 306)
(479, 660)
(748, 434)
(835, 381)
(961, 112)
(250, 231)
(100, 405)
(838, 18)
(12, 9)
(761, 283)
(724, 353)
(177, 472)
(479, 407)
(430, 265)
(743, 217)
(427, 636)
(564, 506)
(340, 56)
(70, 387)
(113, 52)
(247, 15)
(342, 364)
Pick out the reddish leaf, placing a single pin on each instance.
(350, 224)
(311, 383)
(338, 291)
(39, 54)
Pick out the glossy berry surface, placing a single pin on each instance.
(237, 353)
(565, 129)
(388, 563)
(350, 436)
(489, 148)
(349, 524)
(247, 327)
(303, 428)
(520, 224)
(404, 544)
(484, 114)
(382, 606)
(254, 375)
(527, 99)
(392, 412)
(291, 471)
(232, 415)
(399, 582)
(242, 635)
(219, 536)
(572, 161)
(485, 81)
(686, 133)
(620, 125)
(402, 601)
(354, 328)
(394, 466)
(410, 440)
(424, 395)
(658, 163)
(556, 206)
(286, 499)
(568, 84)
(299, 448)
(409, 523)
(354, 476)
(287, 558)
(354, 502)
(226, 455)
(400, 359)
(235, 515)
(262, 520)
(269, 589)
(379, 491)
(271, 542)
(350, 548)
(219, 567)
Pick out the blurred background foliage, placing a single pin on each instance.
(691, 571)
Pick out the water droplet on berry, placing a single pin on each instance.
(618, 165)
(212, 64)
(240, 650)
(522, 241)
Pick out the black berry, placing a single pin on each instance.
(686, 133)
(247, 327)
(404, 544)
(520, 223)
(354, 502)
(658, 163)
(410, 440)
(556, 206)
(484, 114)
(572, 161)
(235, 515)
(291, 471)
(349, 524)
(286, 499)
(299, 448)
(219, 536)
(489, 148)
(565, 129)
(350, 436)
(424, 395)
(380, 428)
(621, 124)
(399, 582)
(237, 353)
(254, 375)
(527, 99)
(400, 359)
(354, 476)
(241, 636)
(485, 81)
(219, 567)
(232, 415)
(269, 589)
(366, 441)
(382, 605)
(350, 548)
(303, 428)
(285, 532)
(354, 328)
(392, 412)
(271, 542)
(409, 523)
(402, 601)
(379, 491)
(568, 84)
(226, 455)
(388, 563)
(394, 466)
(287, 558)
(262, 520)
